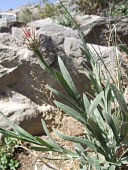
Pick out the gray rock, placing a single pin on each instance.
(20, 71)
(74, 9)
(7, 26)
(22, 111)
(27, 13)
(108, 55)
(97, 29)
(50, 27)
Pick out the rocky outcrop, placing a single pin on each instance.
(102, 31)
(27, 114)
(20, 110)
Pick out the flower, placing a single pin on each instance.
(30, 38)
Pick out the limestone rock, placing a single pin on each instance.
(22, 111)
(108, 54)
(97, 29)
(7, 26)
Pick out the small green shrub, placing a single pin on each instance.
(91, 6)
(120, 9)
(27, 14)
(7, 154)
(65, 20)
(49, 10)
(116, 8)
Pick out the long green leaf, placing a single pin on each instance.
(123, 47)
(124, 131)
(97, 132)
(84, 142)
(18, 129)
(66, 87)
(23, 133)
(86, 103)
(109, 100)
(67, 76)
(95, 83)
(10, 134)
(123, 105)
(112, 125)
(16, 136)
(43, 142)
(50, 136)
(43, 64)
(95, 103)
(65, 98)
(42, 149)
(9, 122)
(71, 112)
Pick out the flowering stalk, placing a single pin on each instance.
(43, 64)
(30, 38)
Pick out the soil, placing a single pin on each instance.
(33, 160)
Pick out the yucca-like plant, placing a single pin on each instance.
(105, 116)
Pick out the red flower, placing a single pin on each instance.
(30, 38)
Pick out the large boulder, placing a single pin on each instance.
(100, 30)
(22, 111)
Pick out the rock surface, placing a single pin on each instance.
(97, 29)
(7, 26)
(22, 111)
(26, 13)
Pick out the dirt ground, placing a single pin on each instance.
(32, 160)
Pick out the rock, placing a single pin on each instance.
(41, 23)
(97, 29)
(22, 111)
(108, 54)
(20, 69)
(7, 26)
(74, 9)
(27, 13)
(51, 28)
